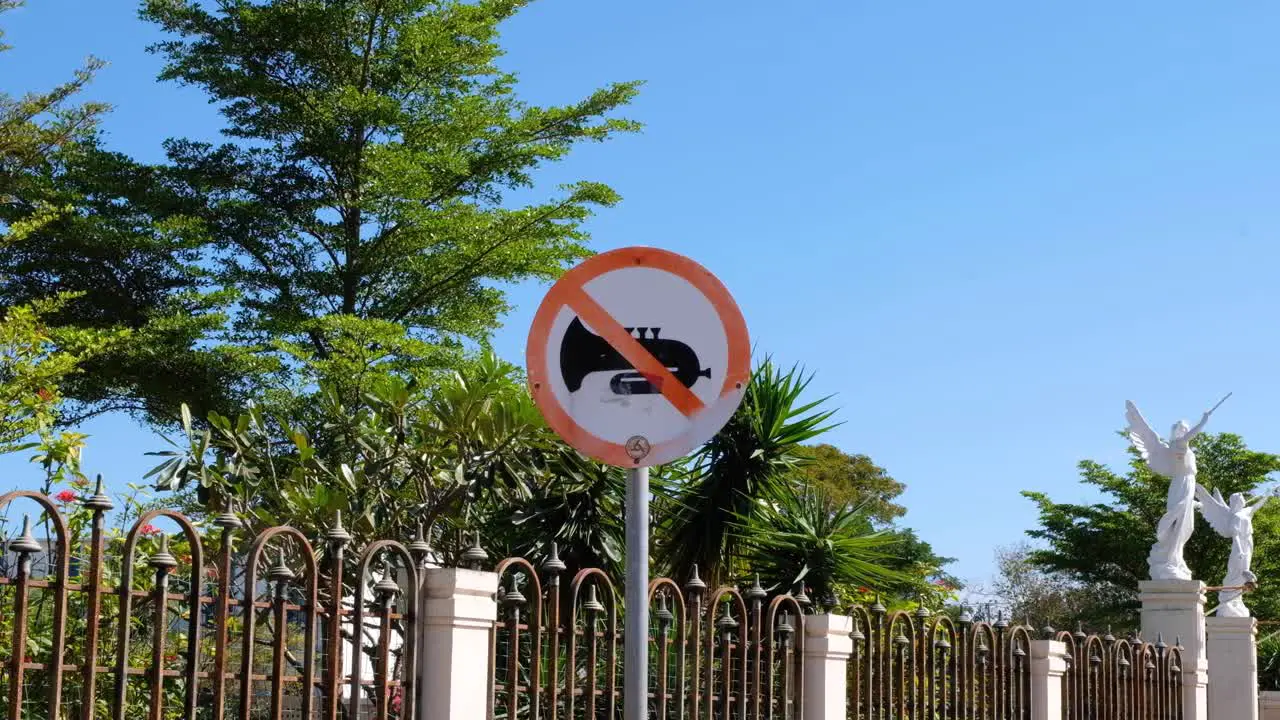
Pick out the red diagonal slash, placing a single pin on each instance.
(642, 360)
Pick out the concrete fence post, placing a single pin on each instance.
(458, 620)
(1173, 610)
(1233, 667)
(1048, 666)
(827, 649)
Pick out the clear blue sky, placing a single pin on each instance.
(984, 225)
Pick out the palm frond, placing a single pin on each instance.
(746, 461)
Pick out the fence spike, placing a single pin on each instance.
(419, 544)
(337, 534)
(25, 542)
(100, 501)
(475, 554)
(163, 560)
(695, 583)
(553, 564)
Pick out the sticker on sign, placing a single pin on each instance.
(637, 356)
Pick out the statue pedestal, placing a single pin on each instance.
(1233, 667)
(1173, 610)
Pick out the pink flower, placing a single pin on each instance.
(149, 529)
(66, 496)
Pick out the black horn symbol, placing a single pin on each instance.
(583, 352)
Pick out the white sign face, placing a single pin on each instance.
(638, 356)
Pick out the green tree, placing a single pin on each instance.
(395, 458)
(1104, 546)
(852, 480)
(123, 270)
(363, 210)
(38, 356)
(35, 361)
(360, 221)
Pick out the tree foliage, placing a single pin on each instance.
(359, 221)
(38, 356)
(471, 459)
(1027, 592)
(1104, 545)
(798, 540)
(40, 123)
(852, 480)
(749, 460)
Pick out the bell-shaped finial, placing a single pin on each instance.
(475, 554)
(337, 534)
(695, 584)
(99, 501)
(163, 560)
(553, 565)
(25, 543)
(280, 572)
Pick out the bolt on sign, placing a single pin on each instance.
(637, 356)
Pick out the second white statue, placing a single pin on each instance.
(1177, 461)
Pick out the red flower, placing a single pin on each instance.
(44, 394)
(942, 584)
(864, 590)
(149, 529)
(66, 496)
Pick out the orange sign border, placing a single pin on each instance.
(570, 287)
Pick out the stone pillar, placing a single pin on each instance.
(1048, 666)
(827, 649)
(1233, 667)
(1173, 610)
(459, 615)
(1269, 705)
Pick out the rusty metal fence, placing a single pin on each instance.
(161, 628)
(916, 665)
(1124, 678)
(714, 654)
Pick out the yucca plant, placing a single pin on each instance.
(805, 537)
(748, 461)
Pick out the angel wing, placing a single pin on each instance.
(1149, 445)
(1215, 510)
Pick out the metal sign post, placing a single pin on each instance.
(636, 357)
(635, 680)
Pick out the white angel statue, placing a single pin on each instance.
(1175, 460)
(1232, 520)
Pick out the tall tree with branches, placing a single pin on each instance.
(362, 208)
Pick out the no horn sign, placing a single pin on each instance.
(637, 356)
